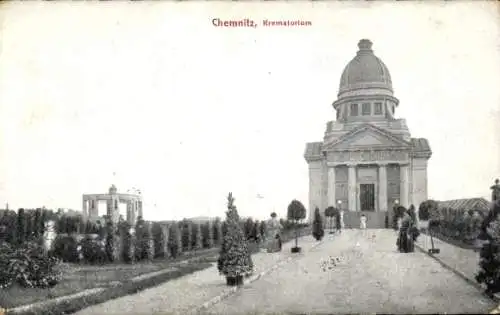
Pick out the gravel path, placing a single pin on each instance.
(369, 276)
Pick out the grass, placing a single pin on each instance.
(126, 288)
(115, 278)
(78, 278)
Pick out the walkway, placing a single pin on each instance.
(181, 295)
(370, 277)
(463, 261)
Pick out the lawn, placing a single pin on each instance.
(80, 277)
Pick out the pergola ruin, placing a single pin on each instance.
(113, 199)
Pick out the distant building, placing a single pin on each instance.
(478, 204)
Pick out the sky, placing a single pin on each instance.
(151, 95)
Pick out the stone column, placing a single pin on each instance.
(139, 208)
(382, 187)
(84, 208)
(94, 208)
(331, 187)
(129, 217)
(404, 186)
(352, 188)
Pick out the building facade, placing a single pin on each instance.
(367, 160)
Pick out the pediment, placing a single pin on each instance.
(367, 137)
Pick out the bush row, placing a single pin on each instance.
(461, 225)
(29, 224)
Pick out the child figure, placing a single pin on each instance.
(363, 222)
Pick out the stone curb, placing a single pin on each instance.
(57, 300)
(228, 292)
(496, 297)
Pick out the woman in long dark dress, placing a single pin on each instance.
(408, 234)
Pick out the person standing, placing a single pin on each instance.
(338, 221)
(274, 233)
(362, 223)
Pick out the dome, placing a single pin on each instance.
(365, 71)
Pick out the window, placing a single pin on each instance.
(354, 109)
(378, 109)
(366, 109)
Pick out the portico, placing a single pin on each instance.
(367, 160)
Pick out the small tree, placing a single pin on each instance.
(248, 228)
(234, 260)
(199, 236)
(428, 210)
(263, 229)
(296, 213)
(317, 228)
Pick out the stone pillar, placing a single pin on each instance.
(404, 186)
(139, 208)
(382, 187)
(84, 208)
(352, 206)
(94, 212)
(331, 187)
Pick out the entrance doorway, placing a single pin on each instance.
(367, 197)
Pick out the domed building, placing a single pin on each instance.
(367, 161)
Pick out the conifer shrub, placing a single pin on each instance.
(144, 248)
(21, 226)
(317, 228)
(8, 227)
(234, 257)
(248, 229)
(175, 240)
(256, 231)
(197, 236)
(263, 230)
(489, 264)
(216, 227)
(157, 233)
(207, 237)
